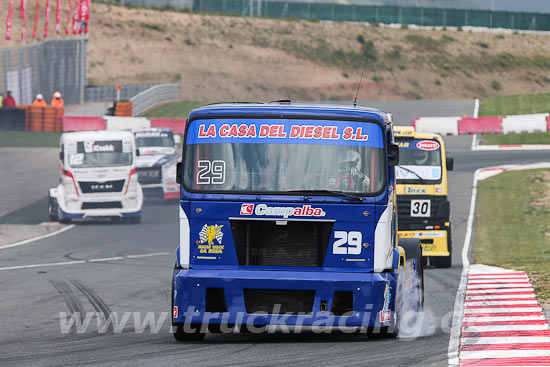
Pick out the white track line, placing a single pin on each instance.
(480, 329)
(503, 303)
(105, 259)
(501, 310)
(504, 354)
(504, 340)
(55, 233)
(505, 318)
(472, 292)
(495, 297)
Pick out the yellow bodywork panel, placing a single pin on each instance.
(438, 239)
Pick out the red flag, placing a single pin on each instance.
(9, 22)
(47, 21)
(76, 17)
(23, 9)
(68, 25)
(36, 9)
(57, 17)
(85, 14)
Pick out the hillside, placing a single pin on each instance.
(230, 58)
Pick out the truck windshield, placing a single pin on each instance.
(153, 139)
(419, 160)
(284, 155)
(90, 154)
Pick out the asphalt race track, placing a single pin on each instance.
(100, 272)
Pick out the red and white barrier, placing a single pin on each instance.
(178, 125)
(85, 123)
(503, 324)
(437, 125)
(524, 123)
(480, 125)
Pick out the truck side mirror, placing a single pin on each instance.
(137, 152)
(61, 156)
(178, 173)
(393, 154)
(450, 164)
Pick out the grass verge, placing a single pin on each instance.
(176, 109)
(515, 139)
(28, 139)
(515, 105)
(513, 226)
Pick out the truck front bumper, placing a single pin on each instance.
(305, 298)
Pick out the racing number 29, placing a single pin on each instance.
(347, 243)
(211, 172)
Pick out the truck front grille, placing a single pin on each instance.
(149, 175)
(88, 187)
(296, 243)
(102, 205)
(406, 222)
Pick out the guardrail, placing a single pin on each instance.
(109, 92)
(154, 96)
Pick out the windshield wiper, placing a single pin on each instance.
(330, 192)
(414, 173)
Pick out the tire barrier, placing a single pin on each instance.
(47, 119)
(437, 125)
(123, 108)
(85, 123)
(178, 125)
(126, 123)
(481, 125)
(12, 118)
(524, 123)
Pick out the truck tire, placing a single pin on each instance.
(52, 209)
(413, 250)
(445, 261)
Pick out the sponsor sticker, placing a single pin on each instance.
(282, 211)
(385, 314)
(285, 131)
(428, 145)
(416, 190)
(247, 209)
(207, 236)
(175, 313)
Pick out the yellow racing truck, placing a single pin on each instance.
(422, 204)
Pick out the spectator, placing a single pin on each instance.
(57, 100)
(39, 101)
(8, 101)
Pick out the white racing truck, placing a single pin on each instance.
(156, 163)
(98, 178)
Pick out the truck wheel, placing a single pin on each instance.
(445, 261)
(52, 209)
(182, 336)
(413, 250)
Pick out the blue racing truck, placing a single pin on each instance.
(287, 217)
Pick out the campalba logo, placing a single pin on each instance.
(288, 211)
(427, 145)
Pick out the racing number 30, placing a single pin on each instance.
(352, 239)
(211, 172)
(420, 208)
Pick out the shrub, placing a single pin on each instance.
(369, 51)
(437, 82)
(482, 44)
(496, 85)
(361, 39)
(152, 26)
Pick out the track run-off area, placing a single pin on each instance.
(124, 271)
